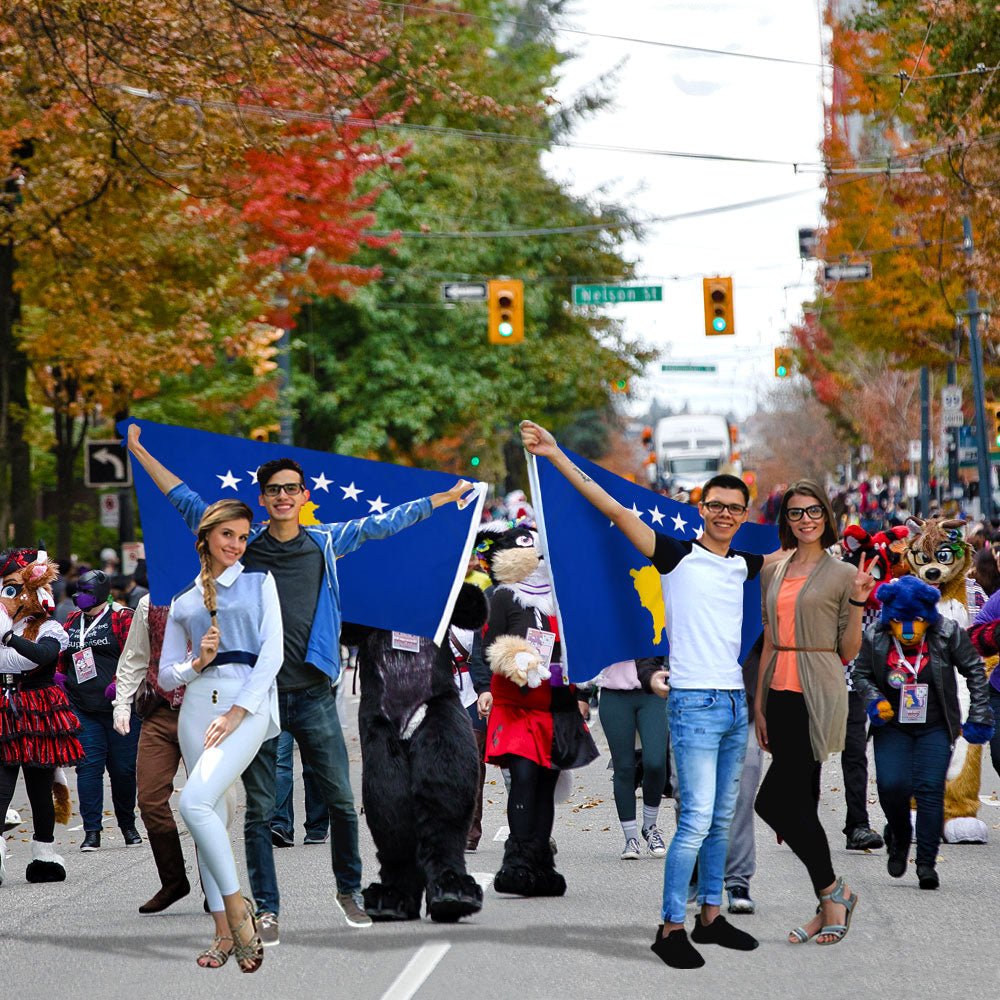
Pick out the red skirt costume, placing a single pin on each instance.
(37, 725)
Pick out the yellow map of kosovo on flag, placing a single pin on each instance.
(609, 596)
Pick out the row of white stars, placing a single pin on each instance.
(657, 516)
(320, 482)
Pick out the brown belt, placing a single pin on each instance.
(802, 649)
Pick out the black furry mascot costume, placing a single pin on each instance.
(420, 770)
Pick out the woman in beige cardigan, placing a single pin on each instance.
(812, 605)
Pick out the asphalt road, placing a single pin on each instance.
(85, 937)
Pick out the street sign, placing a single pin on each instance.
(912, 487)
(463, 291)
(914, 453)
(952, 418)
(106, 464)
(951, 397)
(867, 453)
(599, 295)
(132, 552)
(848, 272)
(110, 510)
(688, 368)
(968, 450)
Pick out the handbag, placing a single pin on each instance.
(146, 699)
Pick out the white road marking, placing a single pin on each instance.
(416, 971)
(73, 829)
(989, 800)
(502, 834)
(484, 879)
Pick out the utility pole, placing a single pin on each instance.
(925, 440)
(953, 482)
(978, 381)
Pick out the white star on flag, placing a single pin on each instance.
(699, 532)
(376, 506)
(679, 523)
(228, 480)
(351, 492)
(322, 483)
(252, 473)
(636, 511)
(656, 515)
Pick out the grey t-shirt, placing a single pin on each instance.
(297, 568)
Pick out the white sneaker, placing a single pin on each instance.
(632, 850)
(3, 858)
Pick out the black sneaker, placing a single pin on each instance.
(91, 841)
(131, 837)
(897, 860)
(279, 839)
(928, 877)
(721, 932)
(864, 838)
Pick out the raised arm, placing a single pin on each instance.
(159, 473)
(539, 442)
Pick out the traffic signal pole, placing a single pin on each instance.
(978, 382)
(925, 441)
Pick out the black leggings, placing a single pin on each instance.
(531, 808)
(38, 782)
(788, 800)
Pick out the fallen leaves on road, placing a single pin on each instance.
(589, 804)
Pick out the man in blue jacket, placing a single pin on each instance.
(303, 561)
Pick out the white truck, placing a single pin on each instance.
(691, 448)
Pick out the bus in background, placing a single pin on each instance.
(691, 448)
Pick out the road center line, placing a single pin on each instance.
(502, 834)
(416, 971)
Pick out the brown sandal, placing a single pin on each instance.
(252, 952)
(214, 957)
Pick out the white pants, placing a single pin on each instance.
(203, 801)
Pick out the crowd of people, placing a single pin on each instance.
(246, 662)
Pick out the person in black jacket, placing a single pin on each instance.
(906, 674)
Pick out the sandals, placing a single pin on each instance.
(838, 931)
(250, 955)
(801, 935)
(214, 957)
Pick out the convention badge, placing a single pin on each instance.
(543, 643)
(913, 702)
(897, 678)
(84, 665)
(405, 642)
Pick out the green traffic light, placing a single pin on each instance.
(505, 329)
(474, 461)
(781, 371)
(719, 324)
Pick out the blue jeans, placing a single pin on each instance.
(311, 718)
(911, 764)
(708, 734)
(317, 815)
(106, 749)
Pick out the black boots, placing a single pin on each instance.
(528, 869)
(452, 896)
(169, 860)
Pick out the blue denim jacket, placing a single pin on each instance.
(335, 540)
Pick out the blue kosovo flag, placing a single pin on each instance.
(609, 596)
(407, 582)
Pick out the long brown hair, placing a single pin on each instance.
(218, 513)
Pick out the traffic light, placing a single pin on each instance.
(262, 348)
(782, 362)
(506, 309)
(718, 293)
(474, 461)
(620, 385)
(992, 424)
(807, 244)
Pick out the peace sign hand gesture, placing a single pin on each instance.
(864, 582)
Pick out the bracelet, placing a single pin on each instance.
(857, 604)
(7, 636)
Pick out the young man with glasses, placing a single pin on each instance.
(707, 708)
(303, 563)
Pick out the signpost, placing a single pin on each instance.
(106, 464)
(682, 367)
(464, 291)
(599, 295)
(951, 406)
(110, 510)
(848, 272)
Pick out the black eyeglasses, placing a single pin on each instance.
(274, 489)
(814, 512)
(717, 507)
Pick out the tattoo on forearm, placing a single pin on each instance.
(583, 475)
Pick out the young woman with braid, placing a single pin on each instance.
(224, 642)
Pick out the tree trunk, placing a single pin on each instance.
(67, 449)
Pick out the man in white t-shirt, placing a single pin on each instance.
(707, 711)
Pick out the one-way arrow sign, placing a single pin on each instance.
(848, 272)
(464, 291)
(106, 464)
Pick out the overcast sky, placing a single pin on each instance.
(692, 102)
